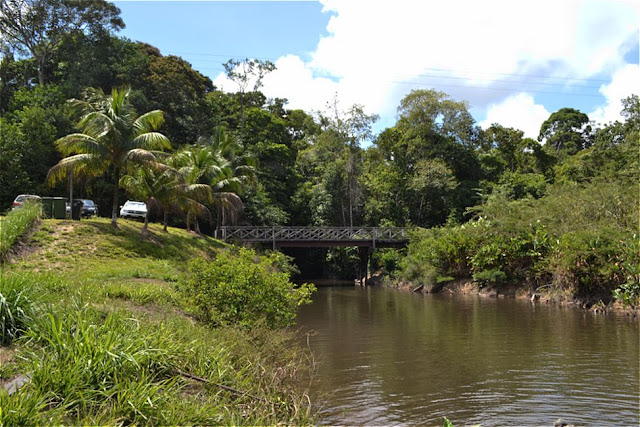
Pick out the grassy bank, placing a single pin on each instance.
(15, 225)
(110, 337)
(577, 242)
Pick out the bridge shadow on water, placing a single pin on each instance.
(316, 266)
(322, 282)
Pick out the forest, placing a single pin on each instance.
(121, 120)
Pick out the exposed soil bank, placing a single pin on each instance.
(595, 303)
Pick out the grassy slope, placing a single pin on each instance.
(91, 270)
(109, 265)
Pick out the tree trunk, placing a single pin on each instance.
(350, 210)
(41, 65)
(166, 219)
(114, 211)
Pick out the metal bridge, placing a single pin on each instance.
(368, 237)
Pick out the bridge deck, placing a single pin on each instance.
(317, 236)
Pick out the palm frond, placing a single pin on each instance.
(117, 102)
(151, 140)
(148, 122)
(78, 143)
(194, 207)
(201, 192)
(80, 107)
(230, 204)
(138, 155)
(231, 199)
(232, 184)
(78, 164)
(96, 123)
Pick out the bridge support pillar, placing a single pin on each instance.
(370, 263)
(365, 267)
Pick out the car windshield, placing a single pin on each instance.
(25, 197)
(87, 202)
(135, 204)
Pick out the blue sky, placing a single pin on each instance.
(515, 62)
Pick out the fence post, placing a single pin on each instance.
(273, 236)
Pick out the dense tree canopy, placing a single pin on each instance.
(566, 130)
(278, 165)
(37, 27)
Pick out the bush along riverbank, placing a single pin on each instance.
(579, 243)
(103, 328)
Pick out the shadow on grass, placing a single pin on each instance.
(176, 245)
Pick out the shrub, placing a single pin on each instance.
(515, 185)
(388, 259)
(628, 265)
(441, 252)
(515, 257)
(244, 288)
(585, 261)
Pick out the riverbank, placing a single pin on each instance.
(578, 245)
(542, 295)
(110, 338)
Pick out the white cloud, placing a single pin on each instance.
(375, 52)
(519, 111)
(625, 82)
(294, 80)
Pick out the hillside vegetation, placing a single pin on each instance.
(108, 336)
(120, 120)
(578, 240)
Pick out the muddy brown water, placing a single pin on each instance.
(395, 358)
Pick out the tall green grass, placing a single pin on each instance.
(17, 302)
(114, 341)
(15, 225)
(87, 366)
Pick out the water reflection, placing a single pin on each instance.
(396, 358)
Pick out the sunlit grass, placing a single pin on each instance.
(105, 263)
(114, 342)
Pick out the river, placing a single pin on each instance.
(393, 358)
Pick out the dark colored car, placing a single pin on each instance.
(89, 208)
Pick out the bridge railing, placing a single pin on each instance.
(311, 234)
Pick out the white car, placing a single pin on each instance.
(133, 210)
(22, 198)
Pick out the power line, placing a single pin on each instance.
(497, 88)
(448, 70)
(468, 79)
(488, 88)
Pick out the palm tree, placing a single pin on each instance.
(234, 172)
(156, 186)
(204, 165)
(111, 137)
(224, 145)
